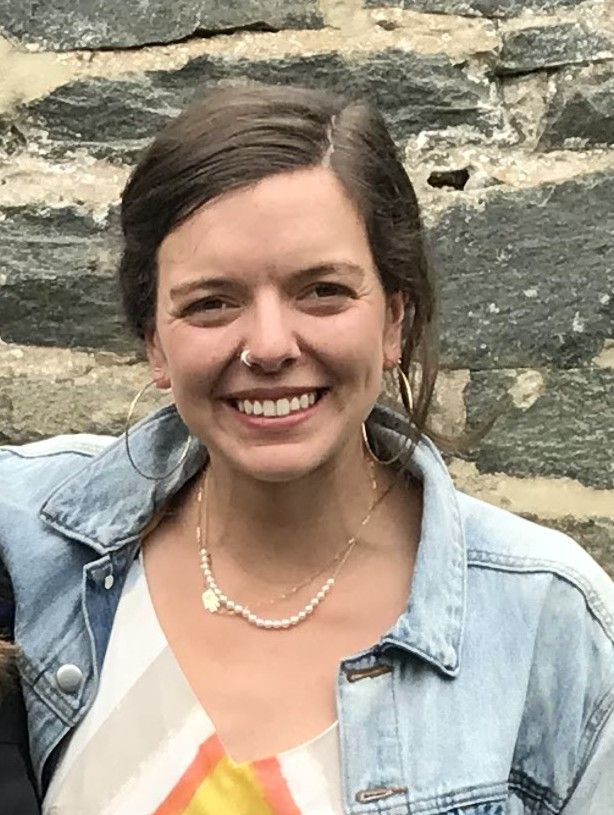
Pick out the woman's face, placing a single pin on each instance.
(283, 269)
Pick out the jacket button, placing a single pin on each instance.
(69, 678)
(109, 581)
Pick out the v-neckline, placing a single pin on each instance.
(151, 618)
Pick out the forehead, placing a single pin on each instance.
(282, 222)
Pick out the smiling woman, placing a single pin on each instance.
(296, 285)
(269, 597)
(319, 193)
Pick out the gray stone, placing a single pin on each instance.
(115, 119)
(527, 276)
(534, 49)
(69, 24)
(57, 278)
(478, 8)
(50, 391)
(105, 118)
(12, 139)
(596, 535)
(564, 430)
(581, 112)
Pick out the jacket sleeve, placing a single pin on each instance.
(594, 792)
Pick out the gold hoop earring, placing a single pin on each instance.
(129, 454)
(405, 388)
(370, 451)
(408, 402)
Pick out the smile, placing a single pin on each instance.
(277, 407)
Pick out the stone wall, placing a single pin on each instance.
(504, 111)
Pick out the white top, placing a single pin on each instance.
(147, 746)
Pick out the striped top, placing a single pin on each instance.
(147, 746)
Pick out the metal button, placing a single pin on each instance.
(69, 678)
(108, 581)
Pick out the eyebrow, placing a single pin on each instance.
(344, 267)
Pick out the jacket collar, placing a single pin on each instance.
(432, 625)
(107, 505)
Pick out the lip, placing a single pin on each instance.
(278, 422)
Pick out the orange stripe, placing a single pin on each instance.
(204, 762)
(277, 792)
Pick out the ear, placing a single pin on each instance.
(395, 312)
(157, 361)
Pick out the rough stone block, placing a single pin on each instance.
(554, 423)
(70, 24)
(534, 49)
(481, 8)
(581, 111)
(51, 391)
(115, 119)
(57, 278)
(528, 275)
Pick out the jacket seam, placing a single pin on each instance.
(35, 678)
(394, 678)
(508, 563)
(596, 722)
(52, 454)
(532, 791)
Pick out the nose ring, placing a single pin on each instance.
(243, 356)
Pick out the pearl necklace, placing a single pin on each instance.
(214, 599)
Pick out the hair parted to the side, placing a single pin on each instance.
(235, 136)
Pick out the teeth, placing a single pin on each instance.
(281, 407)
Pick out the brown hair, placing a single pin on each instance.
(235, 136)
(8, 652)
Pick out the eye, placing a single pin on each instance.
(329, 290)
(208, 305)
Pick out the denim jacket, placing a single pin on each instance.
(492, 693)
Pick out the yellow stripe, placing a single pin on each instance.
(230, 789)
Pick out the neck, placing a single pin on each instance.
(273, 530)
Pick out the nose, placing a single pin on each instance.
(270, 336)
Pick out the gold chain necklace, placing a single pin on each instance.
(326, 567)
(215, 601)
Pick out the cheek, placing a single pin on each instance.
(193, 361)
(357, 361)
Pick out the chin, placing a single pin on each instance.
(277, 464)
(277, 472)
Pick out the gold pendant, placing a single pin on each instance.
(210, 601)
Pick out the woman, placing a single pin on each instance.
(269, 597)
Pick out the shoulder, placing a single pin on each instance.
(33, 469)
(78, 444)
(553, 607)
(505, 543)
